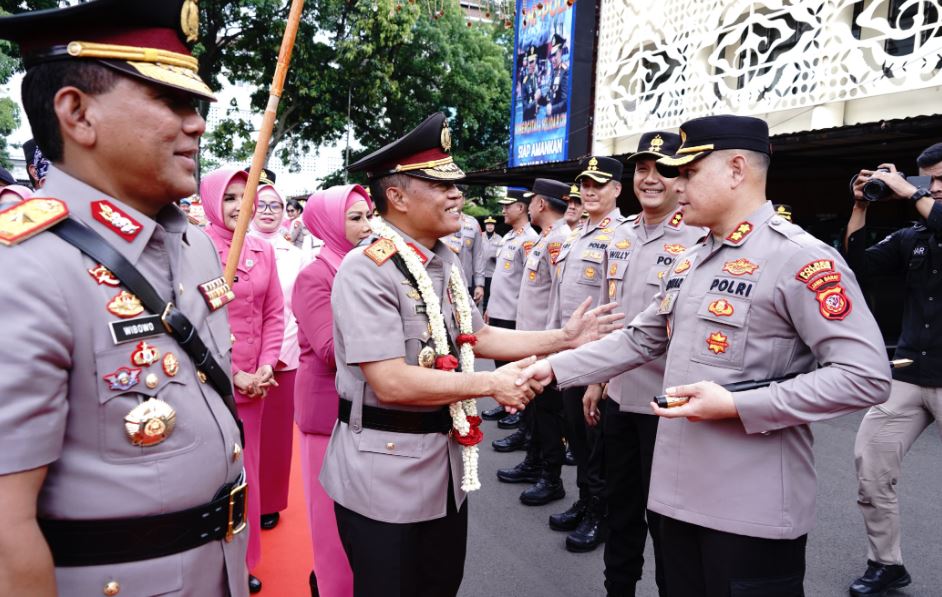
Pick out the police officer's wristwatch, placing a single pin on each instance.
(919, 194)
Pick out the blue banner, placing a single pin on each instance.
(542, 82)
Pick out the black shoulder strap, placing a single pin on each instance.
(175, 322)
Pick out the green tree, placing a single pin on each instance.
(9, 64)
(394, 63)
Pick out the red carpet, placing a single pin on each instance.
(286, 550)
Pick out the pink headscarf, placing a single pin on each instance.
(212, 188)
(19, 190)
(325, 216)
(279, 231)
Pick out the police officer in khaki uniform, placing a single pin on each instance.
(394, 465)
(468, 244)
(505, 287)
(120, 463)
(581, 266)
(546, 210)
(733, 475)
(575, 210)
(491, 241)
(642, 249)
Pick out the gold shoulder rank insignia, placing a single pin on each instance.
(380, 251)
(29, 218)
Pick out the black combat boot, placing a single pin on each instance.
(494, 414)
(591, 531)
(880, 578)
(527, 471)
(570, 519)
(547, 489)
(510, 421)
(517, 440)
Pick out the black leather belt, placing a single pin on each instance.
(399, 421)
(113, 541)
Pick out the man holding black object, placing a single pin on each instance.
(733, 476)
(887, 433)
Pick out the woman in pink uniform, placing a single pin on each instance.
(257, 320)
(340, 217)
(278, 422)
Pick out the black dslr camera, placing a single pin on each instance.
(877, 190)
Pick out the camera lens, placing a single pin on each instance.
(875, 190)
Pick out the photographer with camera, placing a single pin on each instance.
(889, 430)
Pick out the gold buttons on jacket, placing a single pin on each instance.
(236, 452)
(112, 588)
(201, 376)
(151, 380)
(390, 446)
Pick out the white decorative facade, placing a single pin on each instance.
(801, 64)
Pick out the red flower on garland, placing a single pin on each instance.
(474, 437)
(467, 339)
(474, 421)
(446, 362)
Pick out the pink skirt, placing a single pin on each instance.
(251, 415)
(277, 437)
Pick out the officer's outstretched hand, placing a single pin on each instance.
(705, 401)
(514, 396)
(587, 325)
(539, 371)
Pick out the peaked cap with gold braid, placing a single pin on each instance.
(146, 39)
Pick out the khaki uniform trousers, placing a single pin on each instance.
(886, 433)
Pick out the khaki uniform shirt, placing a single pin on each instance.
(468, 245)
(637, 259)
(768, 301)
(505, 285)
(581, 267)
(533, 303)
(63, 405)
(384, 475)
(491, 246)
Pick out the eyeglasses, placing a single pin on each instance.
(274, 207)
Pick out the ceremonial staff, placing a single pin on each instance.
(264, 136)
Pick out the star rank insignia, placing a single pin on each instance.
(102, 275)
(676, 219)
(216, 293)
(604, 223)
(717, 342)
(125, 305)
(116, 220)
(741, 231)
(28, 218)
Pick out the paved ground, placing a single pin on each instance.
(512, 551)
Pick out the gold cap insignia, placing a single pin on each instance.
(446, 138)
(190, 20)
(593, 164)
(656, 144)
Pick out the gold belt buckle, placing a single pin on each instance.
(165, 315)
(231, 529)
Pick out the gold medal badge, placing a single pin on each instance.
(150, 423)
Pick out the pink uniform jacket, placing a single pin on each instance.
(316, 410)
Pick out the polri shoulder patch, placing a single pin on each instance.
(28, 218)
(380, 251)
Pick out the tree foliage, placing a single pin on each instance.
(9, 64)
(394, 63)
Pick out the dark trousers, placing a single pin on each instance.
(507, 324)
(586, 444)
(629, 448)
(487, 294)
(420, 559)
(549, 428)
(710, 563)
